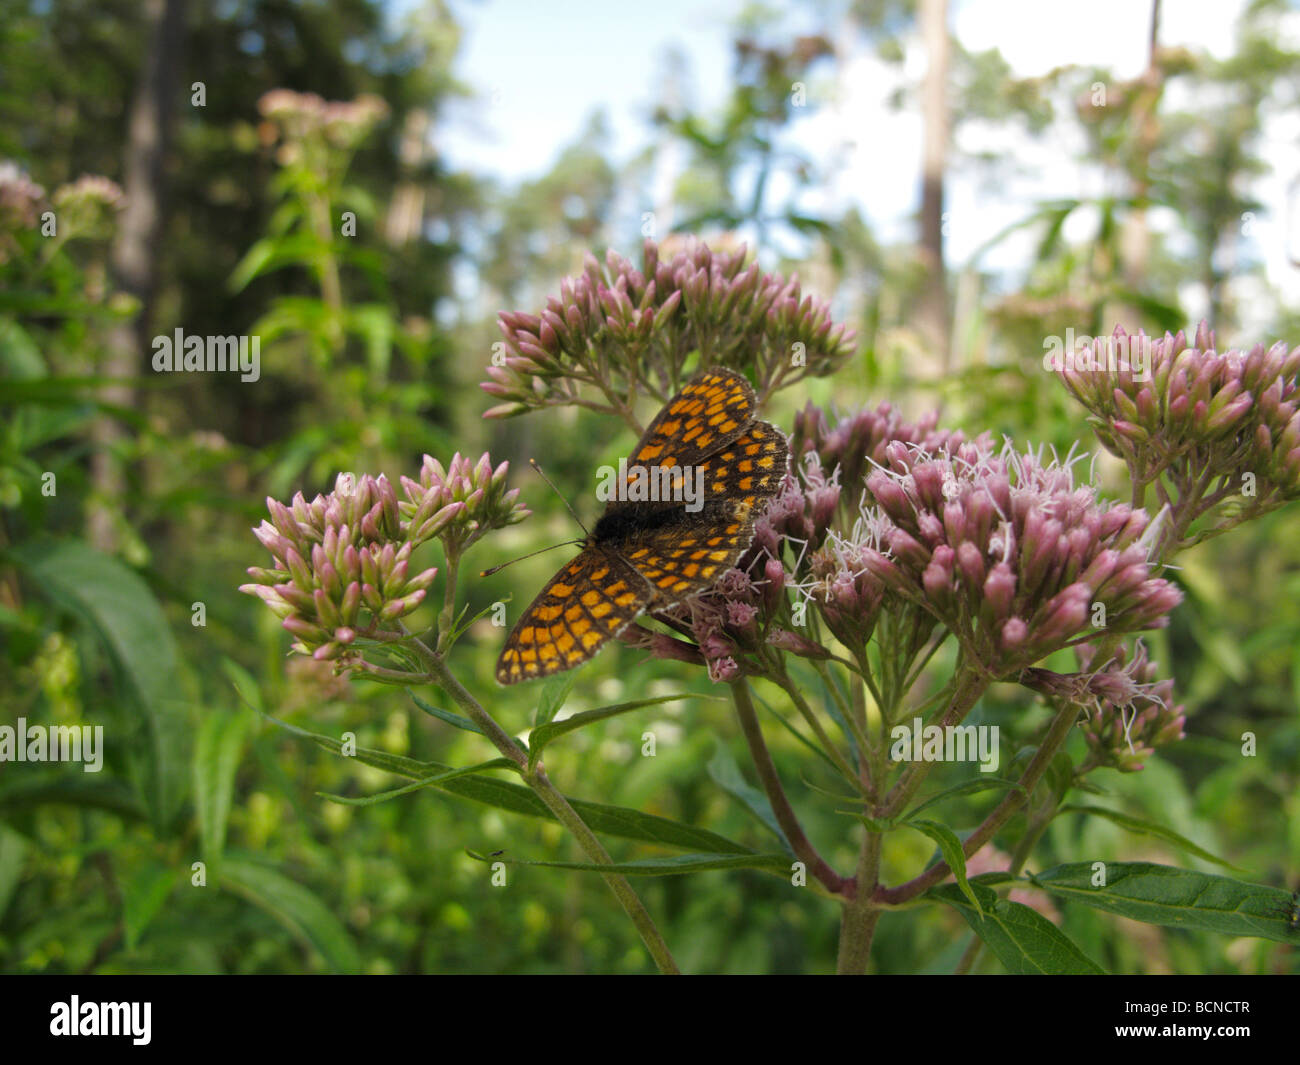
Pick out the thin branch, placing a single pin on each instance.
(771, 781)
(1000, 815)
(540, 783)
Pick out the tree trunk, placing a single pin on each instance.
(933, 320)
(1135, 237)
(134, 255)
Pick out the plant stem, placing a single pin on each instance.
(781, 808)
(447, 618)
(858, 925)
(969, 687)
(618, 884)
(1001, 814)
(538, 780)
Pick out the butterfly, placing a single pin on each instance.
(647, 555)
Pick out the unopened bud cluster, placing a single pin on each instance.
(1129, 711)
(1218, 424)
(343, 561)
(628, 330)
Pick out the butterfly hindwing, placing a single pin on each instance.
(684, 560)
(591, 599)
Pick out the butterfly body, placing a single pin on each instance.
(645, 555)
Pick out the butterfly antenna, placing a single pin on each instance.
(534, 465)
(539, 551)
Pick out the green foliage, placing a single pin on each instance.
(214, 840)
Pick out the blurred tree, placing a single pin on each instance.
(135, 252)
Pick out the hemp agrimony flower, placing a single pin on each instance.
(1008, 553)
(1209, 431)
(342, 562)
(621, 332)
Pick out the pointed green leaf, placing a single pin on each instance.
(406, 789)
(391, 763)
(299, 909)
(1176, 898)
(216, 760)
(1142, 827)
(243, 683)
(672, 866)
(123, 611)
(1024, 940)
(554, 691)
(448, 716)
(726, 774)
(776, 716)
(504, 795)
(966, 787)
(71, 789)
(950, 848)
(143, 896)
(544, 734)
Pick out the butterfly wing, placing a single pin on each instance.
(712, 410)
(708, 427)
(687, 556)
(593, 598)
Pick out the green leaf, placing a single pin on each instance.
(776, 716)
(216, 760)
(1176, 898)
(297, 908)
(143, 895)
(1142, 827)
(726, 774)
(119, 605)
(374, 322)
(505, 795)
(244, 684)
(273, 253)
(391, 763)
(1024, 940)
(544, 734)
(554, 691)
(13, 855)
(950, 848)
(20, 355)
(450, 717)
(406, 789)
(673, 866)
(72, 789)
(966, 787)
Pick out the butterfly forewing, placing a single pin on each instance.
(710, 411)
(686, 556)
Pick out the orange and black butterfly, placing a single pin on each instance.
(646, 555)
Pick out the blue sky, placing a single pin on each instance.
(541, 68)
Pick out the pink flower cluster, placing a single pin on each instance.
(624, 330)
(1006, 552)
(342, 561)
